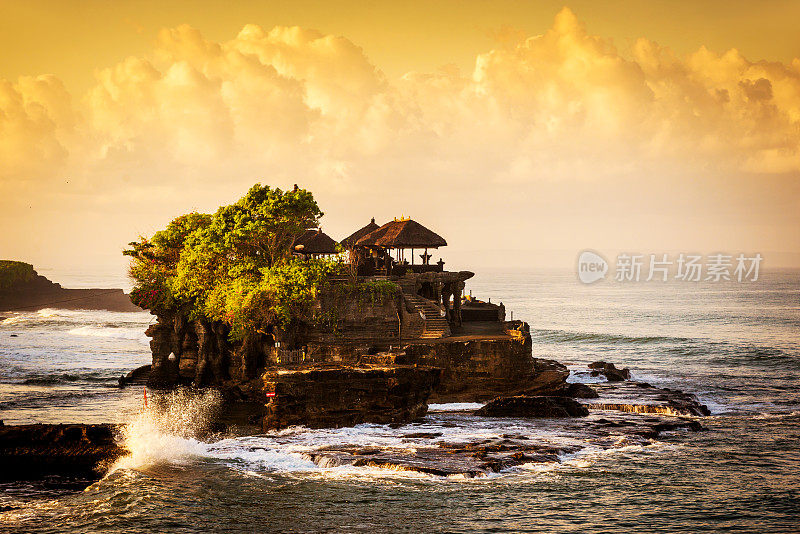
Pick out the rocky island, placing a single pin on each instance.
(319, 333)
(294, 329)
(257, 302)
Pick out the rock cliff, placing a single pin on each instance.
(479, 368)
(30, 291)
(346, 396)
(364, 339)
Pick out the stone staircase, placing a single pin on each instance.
(436, 326)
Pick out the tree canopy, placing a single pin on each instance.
(235, 266)
(14, 272)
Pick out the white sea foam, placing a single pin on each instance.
(777, 415)
(135, 334)
(165, 431)
(17, 318)
(455, 407)
(584, 377)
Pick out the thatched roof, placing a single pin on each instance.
(404, 233)
(314, 241)
(351, 240)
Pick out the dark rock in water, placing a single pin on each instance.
(469, 459)
(29, 452)
(580, 391)
(632, 397)
(610, 371)
(422, 435)
(528, 406)
(481, 456)
(685, 424)
(547, 377)
(346, 396)
(647, 427)
(137, 376)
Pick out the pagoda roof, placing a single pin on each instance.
(402, 233)
(351, 240)
(314, 241)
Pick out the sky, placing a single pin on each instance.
(523, 132)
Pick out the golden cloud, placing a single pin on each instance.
(294, 104)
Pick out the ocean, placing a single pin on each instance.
(735, 345)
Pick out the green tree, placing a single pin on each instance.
(235, 266)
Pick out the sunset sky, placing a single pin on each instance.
(523, 132)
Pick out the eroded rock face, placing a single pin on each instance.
(29, 452)
(346, 396)
(482, 369)
(533, 406)
(473, 368)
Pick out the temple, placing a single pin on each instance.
(393, 325)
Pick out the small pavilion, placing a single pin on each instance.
(314, 243)
(388, 244)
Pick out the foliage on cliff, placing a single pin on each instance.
(235, 266)
(373, 290)
(14, 272)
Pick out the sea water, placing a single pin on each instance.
(735, 345)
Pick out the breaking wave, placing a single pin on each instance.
(455, 407)
(565, 336)
(115, 332)
(169, 428)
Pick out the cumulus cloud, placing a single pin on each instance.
(196, 121)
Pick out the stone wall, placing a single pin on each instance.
(354, 325)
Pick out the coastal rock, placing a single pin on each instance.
(470, 459)
(406, 324)
(346, 396)
(137, 376)
(580, 391)
(640, 397)
(29, 452)
(479, 369)
(547, 377)
(532, 406)
(434, 454)
(610, 371)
